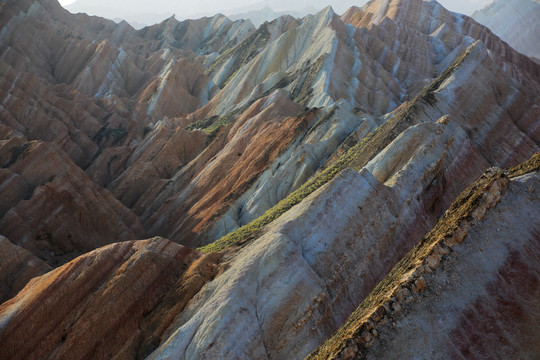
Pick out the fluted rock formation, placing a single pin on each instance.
(289, 44)
(151, 72)
(376, 64)
(514, 21)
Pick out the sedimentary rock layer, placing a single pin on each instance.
(317, 152)
(378, 214)
(466, 288)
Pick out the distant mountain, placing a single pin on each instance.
(134, 12)
(138, 13)
(516, 22)
(258, 17)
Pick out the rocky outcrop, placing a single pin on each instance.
(514, 21)
(18, 267)
(103, 297)
(457, 294)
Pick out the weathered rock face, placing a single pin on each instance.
(242, 153)
(148, 74)
(137, 77)
(458, 295)
(514, 21)
(18, 267)
(103, 297)
(34, 109)
(91, 87)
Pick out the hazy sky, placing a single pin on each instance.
(462, 6)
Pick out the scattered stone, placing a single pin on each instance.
(441, 250)
(433, 261)
(403, 294)
(350, 352)
(420, 285)
(461, 232)
(366, 336)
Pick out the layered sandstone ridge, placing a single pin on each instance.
(271, 149)
(466, 288)
(391, 51)
(292, 40)
(135, 77)
(108, 115)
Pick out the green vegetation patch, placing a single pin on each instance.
(118, 135)
(209, 125)
(18, 152)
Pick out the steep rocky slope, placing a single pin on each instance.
(375, 67)
(145, 74)
(514, 21)
(88, 89)
(101, 296)
(51, 208)
(306, 158)
(108, 113)
(466, 288)
(18, 267)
